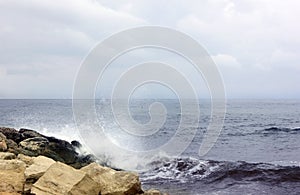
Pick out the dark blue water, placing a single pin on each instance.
(257, 152)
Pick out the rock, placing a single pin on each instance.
(3, 145)
(61, 151)
(76, 144)
(12, 177)
(11, 145)
(26, 159)
(7, 156)
(37, 168)
(28, 133)
(114, 182)
(63, 179)
(9, 193)
(11, 133)
(34, 144)
(153, 192)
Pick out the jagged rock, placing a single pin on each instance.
(114, 182)
(12, 177)
(32, 143)
(37, 144)
(63, 179)
(61, 149)
(28, 133)
(7, 156)
(37, 168)
(11, 145)
(76, 144)
(11, 133)
(3, 145)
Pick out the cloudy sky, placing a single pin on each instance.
(255, 43)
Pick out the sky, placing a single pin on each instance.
(254, 43)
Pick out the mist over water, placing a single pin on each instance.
(258, 146)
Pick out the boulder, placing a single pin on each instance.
(63, 179)
(12, 176)
(114, 182)
(28, 133)
(37, 168)
(11, 145)
(3, 145)
(11, 133)
(7, 156)
(34, 144)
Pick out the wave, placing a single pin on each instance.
(281, 129)
(190, 169)
(267, 131)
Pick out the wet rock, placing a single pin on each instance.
(32, 143)
(63, 179)
(12, 177)
(11, 133)
(35, 144)
(28, 133)
(61, 150)
(114, 182)
(7, 156)
(76, 144)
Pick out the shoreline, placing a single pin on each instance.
(30, 162)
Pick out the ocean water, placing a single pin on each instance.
(257, 152)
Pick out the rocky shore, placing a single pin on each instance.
(32, 163)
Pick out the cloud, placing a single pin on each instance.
(252, 41)
(226, 60)
(44, 42)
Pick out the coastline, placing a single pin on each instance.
(33, 163)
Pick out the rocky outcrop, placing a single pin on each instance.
(12, 177)
(114, 182)
(63, 179)
(31, 165)
(32, 143)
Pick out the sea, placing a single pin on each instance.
(257, 151)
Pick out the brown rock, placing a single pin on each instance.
(38, 167)
(152, 192)
(26, 159)
(9, 193)
(3, 145)
(63, 179)
(7, 156)
(114, 182)
(12, 177)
